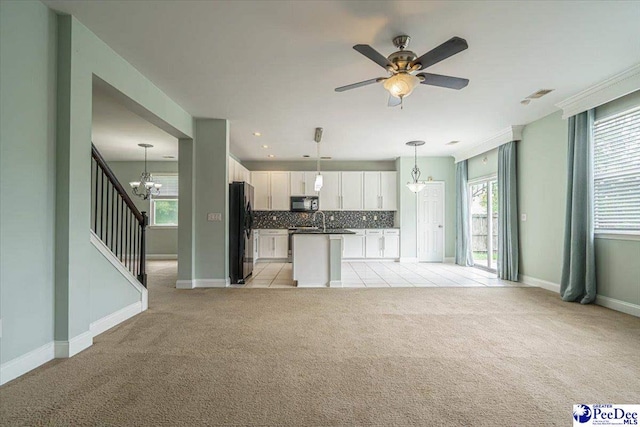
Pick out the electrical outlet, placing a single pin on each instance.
(375, 217)
(214, 216)
(331, 218)
(523, 217)
(274, 218)
(364, 218)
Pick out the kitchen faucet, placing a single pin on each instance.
(324, 224)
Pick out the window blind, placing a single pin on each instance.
(169, 189)
(616, 173)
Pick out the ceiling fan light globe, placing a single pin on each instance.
(401, 85)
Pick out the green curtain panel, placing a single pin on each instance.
(507, 213)
(463, 228)
(578, 266)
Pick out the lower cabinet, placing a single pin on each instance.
(372, 244)
(353, 245)
(273, 244)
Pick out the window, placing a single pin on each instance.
(616, 173)
(483, 216)
(164, 207)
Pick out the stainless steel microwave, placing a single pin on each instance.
(304, 203)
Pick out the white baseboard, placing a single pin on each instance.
(162, 256)
(544, 284)
(449, 260)
(409, 259)
(22, 364)
(113, 319)
(203, 283)
(618, 305)
(66, 349)
(335, 284)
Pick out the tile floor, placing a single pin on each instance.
(371, 274)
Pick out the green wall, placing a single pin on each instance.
(477, 167)
(326, 165)
(27, 175)
(160, 240)
(110, 292)
(542, 183)
(439, 169)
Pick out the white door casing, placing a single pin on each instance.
(430, 224)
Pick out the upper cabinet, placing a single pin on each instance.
(270, 191)
(380, 191)
(352, 191)
(302, 183)
(237, 172)
(341, 191)
(330, 194)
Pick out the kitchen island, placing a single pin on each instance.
(317, 257)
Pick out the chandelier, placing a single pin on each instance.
(145, 187)
(415, 184)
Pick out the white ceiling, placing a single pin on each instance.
(116, 131)
(272, 66)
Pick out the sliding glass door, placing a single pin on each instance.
(484, 222)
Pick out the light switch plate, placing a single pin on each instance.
(214, 216)
(523, 217)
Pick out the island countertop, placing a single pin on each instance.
(320, 231)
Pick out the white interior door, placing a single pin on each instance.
(431, 223)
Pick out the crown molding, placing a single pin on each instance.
(613, 88)
(511, 133)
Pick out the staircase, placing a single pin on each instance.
(115, 220)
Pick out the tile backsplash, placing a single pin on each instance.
(341, 219)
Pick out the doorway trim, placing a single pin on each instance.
(444, 221)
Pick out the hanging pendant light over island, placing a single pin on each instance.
(415, 185)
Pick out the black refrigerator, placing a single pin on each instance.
(240, 231)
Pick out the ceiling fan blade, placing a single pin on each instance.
(449, 48)
(360, 84)
(373, 55)
(443, 81)
(393, 101)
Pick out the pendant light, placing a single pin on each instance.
(317, 185)
(415, 185)
(145, 187)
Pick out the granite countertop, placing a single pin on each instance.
(327, 231)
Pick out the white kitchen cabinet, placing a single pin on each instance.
(261, 191)
(382, 243)
(273, 244)
(373, 243)
(330, 192)
(391, 244)
(280, 194)
(353, 245)
(302, 183)
(270, 191)
(380, 189)
(351, 194)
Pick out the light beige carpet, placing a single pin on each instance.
(315, 357)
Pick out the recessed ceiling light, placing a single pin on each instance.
(168, 157)
(539, 94)
(525, 101)
(325, 157)
(306, 156)
(257, 134)
(265, 146)
(271, 155)
(452, 142)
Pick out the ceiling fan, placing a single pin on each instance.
(402, 64)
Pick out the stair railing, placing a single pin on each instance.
(115, 219)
